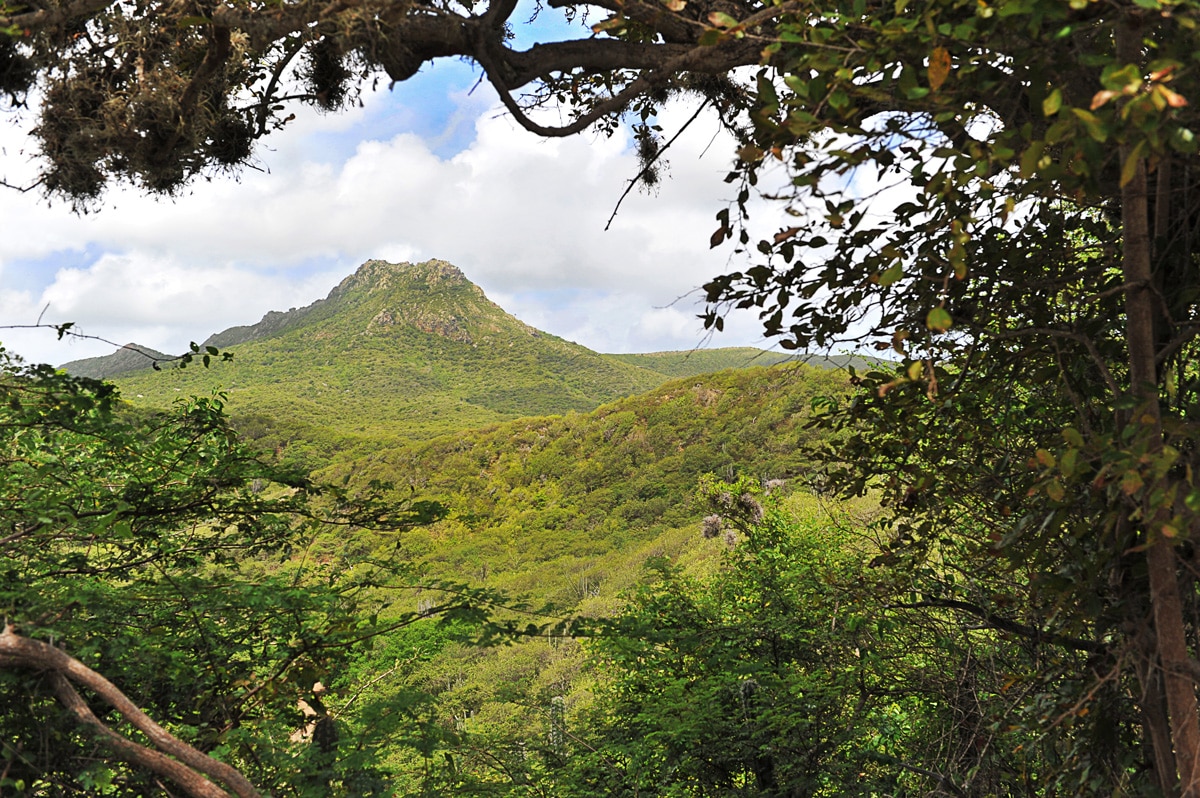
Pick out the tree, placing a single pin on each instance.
(743, 683)
(1039, 281)
(154, 626)
(160, 92)
(798, 669)
(1035, 271)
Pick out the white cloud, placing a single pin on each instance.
(160, 303)
(522, 216)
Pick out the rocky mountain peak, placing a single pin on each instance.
(381, 275)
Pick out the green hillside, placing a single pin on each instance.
(538, 503)
(707, 361)
(395, 350)
(564, 513)
(564, 473)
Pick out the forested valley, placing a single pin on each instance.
(352, 560)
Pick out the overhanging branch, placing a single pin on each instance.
(1008, 625)
(17, 651)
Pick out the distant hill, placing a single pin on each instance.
(703, 361)
(395, 350)
(130, 357)
(706, 361)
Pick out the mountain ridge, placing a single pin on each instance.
(406, 350)
(376, 275)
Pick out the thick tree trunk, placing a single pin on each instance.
(1165, 600)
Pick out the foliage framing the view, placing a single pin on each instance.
(147, 589)
(1003, 193)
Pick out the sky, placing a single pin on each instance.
(432, 168)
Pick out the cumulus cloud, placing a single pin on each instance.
(522, 216)
(160, 303)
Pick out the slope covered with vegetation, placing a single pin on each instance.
(702, 361)
(395, 350)
(752, 637)
(562, 516)
(536, 505)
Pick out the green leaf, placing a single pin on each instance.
(1092, 124)
(1193, 501)
(939, 320)
(1130, 167)
(1055, 490)
(1131, 482)
(1072, 436)
(891, 274)
(1052, 103)
(1031, 156)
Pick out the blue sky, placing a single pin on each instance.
(431, 168)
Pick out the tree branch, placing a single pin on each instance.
(191, 781)
(1008, 625)
(633, 181)
(47, 18)
(17, 651)
(944, 781)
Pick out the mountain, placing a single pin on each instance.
(130, 357)
(395, 350)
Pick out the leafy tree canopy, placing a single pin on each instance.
(160, 92)
(155, 626)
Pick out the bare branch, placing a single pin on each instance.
(1099, 361)
(634, 180)
(1008, 625)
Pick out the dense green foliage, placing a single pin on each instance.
(1001, 192)
(801, 667)
(768, 653)
(539, 504)
(160, 552)
(742, 683)
(1004, 194)
(798, 650)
